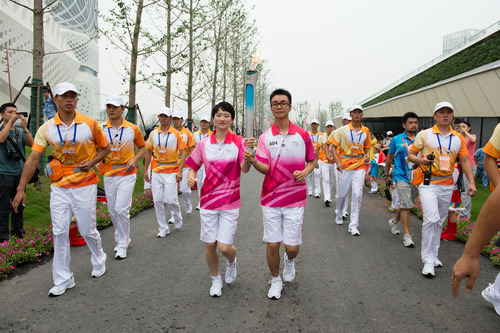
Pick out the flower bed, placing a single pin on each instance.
(38, 243)
(464, 226)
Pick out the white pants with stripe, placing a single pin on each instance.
(64, 203)
(200, 175)
(164, 189)
(119, 197)
(328, 173)
(435, 201)
(354, 179)
(314, 176)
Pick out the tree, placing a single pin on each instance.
(335, 109)
(301, 111)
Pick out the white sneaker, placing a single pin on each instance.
(345, 215)
(59, 290)
(488, 295)
(189, 209)
(288, 269)
(216, 289)
(438, 263)
(162, 234)
(171, 221)
(310, 194)
(373, 192)
(275, 290)
(98, 272)
(407, 241)
(355, 232)
(116, 248)
(339, 222)
(178, 225)
(198, 207)
(120, 253)
(428, 270)
(394, 227)
(231, 272)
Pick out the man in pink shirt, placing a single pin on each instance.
(285, 154)
(222, 153)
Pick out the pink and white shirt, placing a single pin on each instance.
(284, 155)
(221, 188)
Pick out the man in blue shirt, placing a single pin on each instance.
(11, 168)
(48, 106)
(398, 151)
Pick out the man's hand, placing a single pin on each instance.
(316, 165)
(388, 180)
(146, 177)
(367, 159)
(85, 166)
(20, 198)
(130, 166)
(249, 156)
(192, 181)
(471, 190)
(465, 267)
(250, 143)
(299, 176)
(24, 122)
(178, 177)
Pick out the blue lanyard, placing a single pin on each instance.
(166, 141)
(121, 134)
(439, 141)
(60, 136)
(360, 135)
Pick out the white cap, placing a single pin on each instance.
(177, 114)
(389, 133)
(346, 116)
(164, 110)
(115, 100)
(356, 107)
(315, 121)
(329, 123)
(64, 87)
(444, 105)
(205, 118)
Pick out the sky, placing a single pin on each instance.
(325, 50)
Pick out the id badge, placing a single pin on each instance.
(162, 154)
(444, 163)
(116, 154)
(69, 156)
(410, 164)
(355, 147)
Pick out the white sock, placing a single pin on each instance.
(216, 277)
(276, 279)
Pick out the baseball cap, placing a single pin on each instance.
(441, 105)
(164, 110)
(177, 114)
(206, 118)
(64, 87)
(315, 121)
(115, 100)
(355, 107)
(346, 116)
(389, 133)
(329, 123)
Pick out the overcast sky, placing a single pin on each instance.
(323, 50)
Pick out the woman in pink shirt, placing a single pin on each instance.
(224, 156)
(470, 142)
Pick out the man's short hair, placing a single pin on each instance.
(281, 92)
(6, 105)
(224, 106)
(409, 115)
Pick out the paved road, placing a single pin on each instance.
(370, 283)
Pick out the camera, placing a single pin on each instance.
(427, 174)
(24, 114)
(13, 155)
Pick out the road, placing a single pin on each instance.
(370, 283)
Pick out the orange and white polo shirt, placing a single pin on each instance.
(351, 146)
(166, 148)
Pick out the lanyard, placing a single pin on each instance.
(121, 134)
(60, 136)
(439, 141)
(166, 141)
(315, 139)
(407, 148)
(359, 139)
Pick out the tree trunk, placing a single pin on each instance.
(191, 64)
(168, 86)
(131, 115)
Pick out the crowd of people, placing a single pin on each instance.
(432, 163)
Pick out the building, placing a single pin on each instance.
(72, 27)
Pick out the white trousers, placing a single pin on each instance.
(313, 176)
(185, 189)
(354, 179)
(200, 175)
(119, 197)
(329, 175)
(164, 189)
(435, 201)
(344, 208)
(64, 203)
(466, 199)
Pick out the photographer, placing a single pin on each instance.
(11, 167)
(440, 148)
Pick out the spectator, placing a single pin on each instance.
(470, 142)
(11, 168)
(49, 108)
(478, 159)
